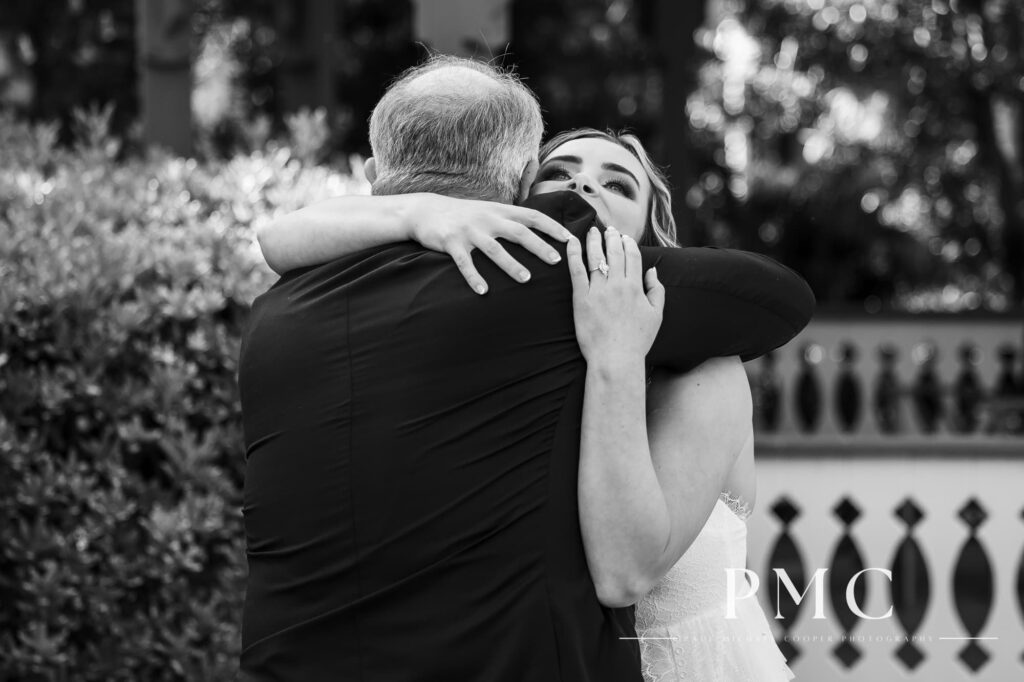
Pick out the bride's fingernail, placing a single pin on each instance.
(554, 257)
(524, 275)
(480, 289)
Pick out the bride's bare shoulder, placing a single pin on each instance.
(716, 393)
(723, 376)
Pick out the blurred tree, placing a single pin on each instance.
(164, 43)
(618, 64)
(874, 145)
(591, 63)
(75, 54)
(469, 28)
(678, 60)
(373, 44)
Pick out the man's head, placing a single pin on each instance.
(456, 127)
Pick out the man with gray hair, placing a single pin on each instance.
(455, 127)
(410, 495)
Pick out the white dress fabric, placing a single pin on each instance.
(682, 625)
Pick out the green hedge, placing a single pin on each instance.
(124, 287)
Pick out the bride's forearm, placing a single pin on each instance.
(336, 227)
(624, 518)
(649, 482)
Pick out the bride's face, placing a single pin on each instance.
(606, 175)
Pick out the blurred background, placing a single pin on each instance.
(874, 146)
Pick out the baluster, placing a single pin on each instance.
(808, 388)
(967, 392)
(786, 556)
(1005, 416)
(1020, 587)
(767, 395)
(848, 390)
(887, 392)
(1006, 385)
(846, 563)
(911, 586)
(927, 393)
(973, 586)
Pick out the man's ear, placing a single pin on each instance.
(370, 170)
(526, 180)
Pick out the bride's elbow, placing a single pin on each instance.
(617, 594)
(616, 598)
(265, 237)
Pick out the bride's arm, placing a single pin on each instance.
(340, 226)
(648, 484)
(333, 228)
(647, 478)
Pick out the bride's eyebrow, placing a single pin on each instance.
(564, 159)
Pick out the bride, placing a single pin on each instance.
(666, 474)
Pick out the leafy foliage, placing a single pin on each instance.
(125, 286)
(875, 145)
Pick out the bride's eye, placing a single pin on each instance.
(620, 187)
(555, 173)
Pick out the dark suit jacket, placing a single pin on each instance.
(412, 448)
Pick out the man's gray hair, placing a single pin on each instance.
(456, 134)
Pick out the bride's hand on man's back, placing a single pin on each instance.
(458, 226)
(616, 306)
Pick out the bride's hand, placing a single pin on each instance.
(457, 226)
(617, 316)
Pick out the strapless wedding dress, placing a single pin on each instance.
(684, 634)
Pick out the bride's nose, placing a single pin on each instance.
(583, 184)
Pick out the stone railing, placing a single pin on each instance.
(894, 444)
(860, 382)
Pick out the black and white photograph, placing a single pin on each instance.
(511, 340)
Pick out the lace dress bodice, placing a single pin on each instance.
(682, 622)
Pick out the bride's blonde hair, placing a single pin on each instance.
(660, 229)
